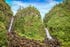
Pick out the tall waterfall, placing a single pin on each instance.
(48, 34)
(11, 23)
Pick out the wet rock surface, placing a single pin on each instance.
(14, 40)
(52, 43)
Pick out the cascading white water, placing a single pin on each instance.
(12, 19)
(48, 34)
(11, 23)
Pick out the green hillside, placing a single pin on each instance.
(5, 14)
(58, 22)
(28, 23)
(29, 27)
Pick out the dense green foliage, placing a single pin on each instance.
(58, 22)
(5, 14)
(28, 23)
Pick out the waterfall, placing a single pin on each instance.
(11, 23)
(48, 34)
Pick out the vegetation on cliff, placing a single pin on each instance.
(28, 23)
(58, 22)
(5, 14)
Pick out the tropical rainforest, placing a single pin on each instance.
(27, 23)
(58, 23)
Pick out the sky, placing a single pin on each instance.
(44, 6)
